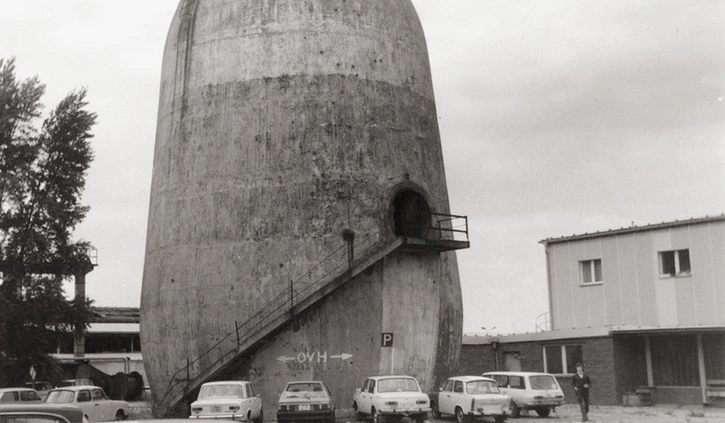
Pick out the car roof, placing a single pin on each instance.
(76, 388)
(470, 378)
(519, 373)
(226, 382)
(16, 389)
(305, 381)
(391, 377)
(36, 406)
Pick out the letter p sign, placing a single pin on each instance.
(386, 339)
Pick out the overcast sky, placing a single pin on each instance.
(556, 117)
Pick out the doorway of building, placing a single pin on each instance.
(512, 361)
(411, 214)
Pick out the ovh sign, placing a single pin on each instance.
(313, 357)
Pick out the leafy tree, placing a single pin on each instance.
(42, 177)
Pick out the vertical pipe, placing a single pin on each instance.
(79, 339)
(701, 368)
(648, 360)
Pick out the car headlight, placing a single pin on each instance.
(234, 408)
(391, 403)
(421, 402)
(196, 409)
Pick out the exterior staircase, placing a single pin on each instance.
(312, 287)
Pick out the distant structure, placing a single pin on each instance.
(299, 224)
(643, 308)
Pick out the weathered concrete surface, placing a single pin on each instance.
(281, 123)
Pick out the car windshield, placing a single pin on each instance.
(402, 384)
(221, 391)
(304, 389)
(482, 387)
(543, 382)
(61, 396)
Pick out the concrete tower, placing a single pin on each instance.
(297, 174)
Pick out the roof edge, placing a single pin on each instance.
(649, 227)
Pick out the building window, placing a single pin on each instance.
(591, 271)
(562, 359)
(675, 263)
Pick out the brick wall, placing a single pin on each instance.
(598, 356)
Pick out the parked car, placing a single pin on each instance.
(305, 401)
(96, 406)
(42, 388)
(14, 395)
(529, 391)
(70, 413)
(468, 397)
(235, 400)
(76, 382)
(36, 417)
(391, 396)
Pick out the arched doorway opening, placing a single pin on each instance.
(411, 214)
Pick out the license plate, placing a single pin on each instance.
(216, 408)
(490, 409)
(305, 407)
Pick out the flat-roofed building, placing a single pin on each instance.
(643, 308)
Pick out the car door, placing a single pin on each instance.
(366, 396)
(83, 400)
(458, 396)
(102, 405)
(250, 401)
(445, 401)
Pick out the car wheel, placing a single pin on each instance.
(119, 416)
(260, 419)
(515, 410)
(543, 412)
(460, 417)
(421, 418)
(332, 416)
(499, 419)
(358, 415)
(377, 417)
(434, 410)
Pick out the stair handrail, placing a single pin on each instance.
(289, 297)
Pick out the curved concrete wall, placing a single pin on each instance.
(281, 123)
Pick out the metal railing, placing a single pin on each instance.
(449, 226)
(543, 323)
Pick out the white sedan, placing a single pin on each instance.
(232, 400)
(467, 397)
(393, 397)
(96, 406)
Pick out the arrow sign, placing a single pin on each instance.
(343, 356)
(284, 358)
(32, 372)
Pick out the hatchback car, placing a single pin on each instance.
(15, 395)
(96, 406)
(529, 391)
(68, 412)
(391, 396)
(234, 400)
(468, 397)
(305, 401)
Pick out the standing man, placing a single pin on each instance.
(581, 382)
